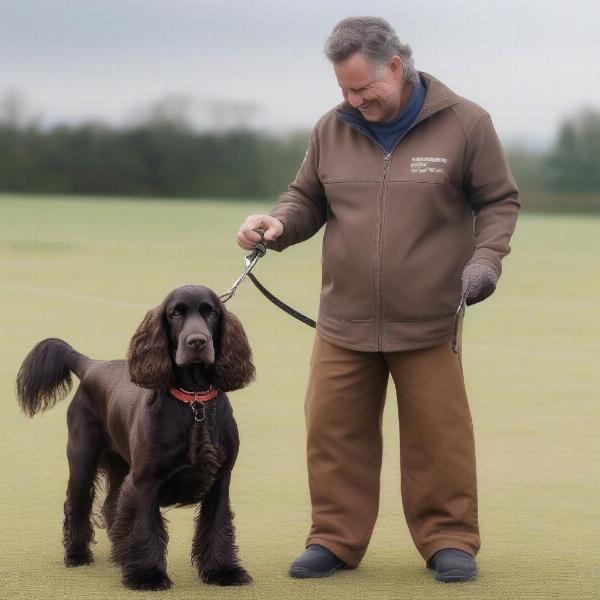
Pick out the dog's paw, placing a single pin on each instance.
(227, 576)
(152, 580)
(79, 560)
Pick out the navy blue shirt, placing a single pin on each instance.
(387, 134)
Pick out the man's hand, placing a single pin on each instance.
(478, 282)
(247, 239)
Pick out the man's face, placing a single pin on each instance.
(376, 93)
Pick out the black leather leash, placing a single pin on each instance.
(250, 261)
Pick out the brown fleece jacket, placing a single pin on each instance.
(400, 226)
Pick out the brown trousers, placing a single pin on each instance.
(344, 407)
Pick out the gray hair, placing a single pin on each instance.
(375, 38)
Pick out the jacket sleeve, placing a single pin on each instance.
(303, 208)
(492, 193)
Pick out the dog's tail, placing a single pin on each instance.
(45, 375)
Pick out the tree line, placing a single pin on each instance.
(166, 157)
(147, 160)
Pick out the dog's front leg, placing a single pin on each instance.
(214, 551)
(139, 536)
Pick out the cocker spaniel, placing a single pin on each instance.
(160, 427)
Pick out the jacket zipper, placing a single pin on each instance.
(387, 158)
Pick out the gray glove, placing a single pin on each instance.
(478, 281)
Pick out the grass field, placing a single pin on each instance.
(86, 270)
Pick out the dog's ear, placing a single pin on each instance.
(148, 357)
(233, 365)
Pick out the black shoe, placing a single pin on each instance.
(452, 564)
(317, 561)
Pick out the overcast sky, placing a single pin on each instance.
(529, 63)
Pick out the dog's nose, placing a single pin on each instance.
(196, 341)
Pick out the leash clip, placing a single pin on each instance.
(251, 259)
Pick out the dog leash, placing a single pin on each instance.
(250, 262)
(261, 249)
(461, 307)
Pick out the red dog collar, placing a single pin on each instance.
(191, 397)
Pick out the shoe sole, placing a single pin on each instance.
(454, 576)
(302, 573)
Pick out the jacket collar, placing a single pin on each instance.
(437, 97)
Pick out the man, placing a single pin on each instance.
(419, 205)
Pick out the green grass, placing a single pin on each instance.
(86, 270)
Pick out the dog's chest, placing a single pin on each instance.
(199, 466)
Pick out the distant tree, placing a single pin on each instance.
(19, 137)
(15, 112)
(573, 164)
(186, 112)
(527, 167)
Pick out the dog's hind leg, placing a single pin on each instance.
(83, 449)
(116, 470)
(213, 550)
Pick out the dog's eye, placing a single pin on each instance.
(212, 313)
(176, 314)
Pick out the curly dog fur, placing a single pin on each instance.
(124, 423)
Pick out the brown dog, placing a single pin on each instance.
(152, 426)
